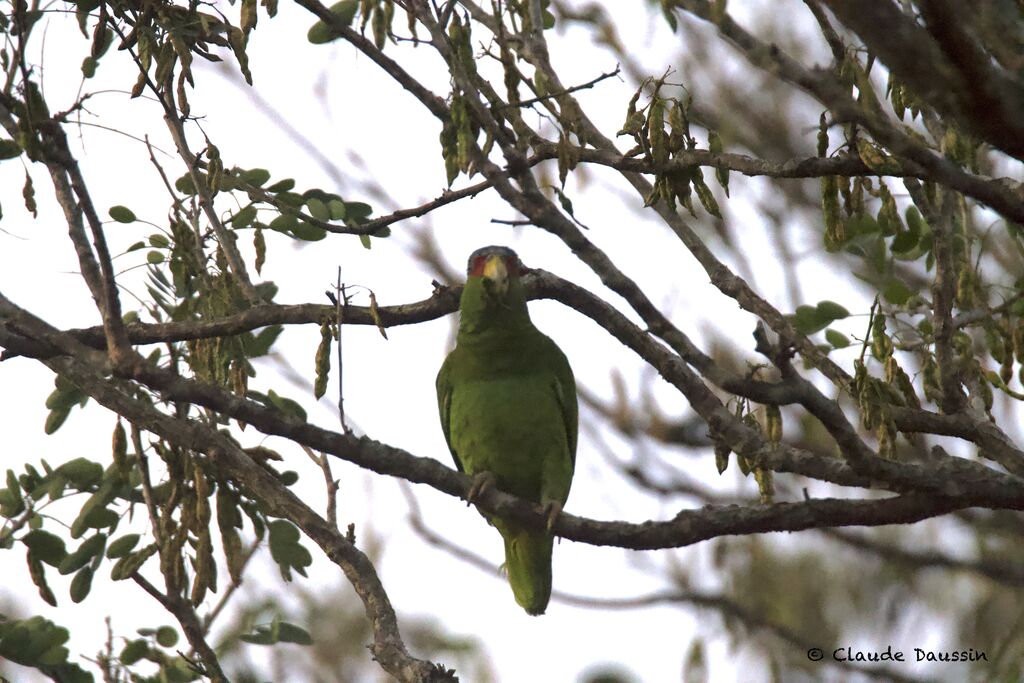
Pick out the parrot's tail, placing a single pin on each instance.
(528, 561)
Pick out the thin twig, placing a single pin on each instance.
(555, 95)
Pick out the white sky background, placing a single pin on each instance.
(389, 385)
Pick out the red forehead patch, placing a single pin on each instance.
(476, 266)
(478, 261)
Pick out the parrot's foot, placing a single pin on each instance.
(551, 510)
(482, 483)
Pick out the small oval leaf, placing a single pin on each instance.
(122, 214)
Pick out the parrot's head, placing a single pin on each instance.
(497, 267)
(493, 296)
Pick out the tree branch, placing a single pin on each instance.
(952, 486)
(182, 610)
(946, 68)
(823, 86)
(388, 648)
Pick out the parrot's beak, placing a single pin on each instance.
(496, 274)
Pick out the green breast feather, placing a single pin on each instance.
(507, 401)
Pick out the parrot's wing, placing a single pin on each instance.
(565, 390)
(444, 406)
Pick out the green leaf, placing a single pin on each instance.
(255, 176)
(65, 396)
(101, 518)
(837, 339)
(52, 485)
(89, 65)
(80, 585)
(266, 291)
(133, 651)
(292, 199)
(81, 472)
(895, 292)
(122, 214)
(285, 223)
(259, 344)
(282, 185)
(38, 642)
(89, 548)
(365, 241)
(337, 209)
(166, 636)
(11, 503)
(808, 320)
(308, 233)
(13, 484)
(244, 217)
(288, 477)
(9, 149)
(357, 212)
(131, 563)
(282, 532)
(318, 210)
(97, 501)
(45, 546)
(154, 258)
(345, 11)
(904, 242)
(297, 556)
(290, 633)
(159, 241)
(185, 184)
(263, 635)
(285, 405)
(123, 546)
(861, 224)
(832, 310)
(55, 419)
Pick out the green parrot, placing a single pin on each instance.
(507, 400)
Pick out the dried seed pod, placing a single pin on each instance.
(835, 229)
(375, 314)
(721, 172)
(721, 456)
(881, 344)
(773, 423)
(28, 193)
(678, 130)
(119, 447)
(323, 360)
(822, 136)
(965, 285)
(706, 196)
(656, 131)
(886, 440)
(932, 388)
(38, 574)
(765, 484)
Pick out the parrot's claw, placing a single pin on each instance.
(482, 483)
(551, 510)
